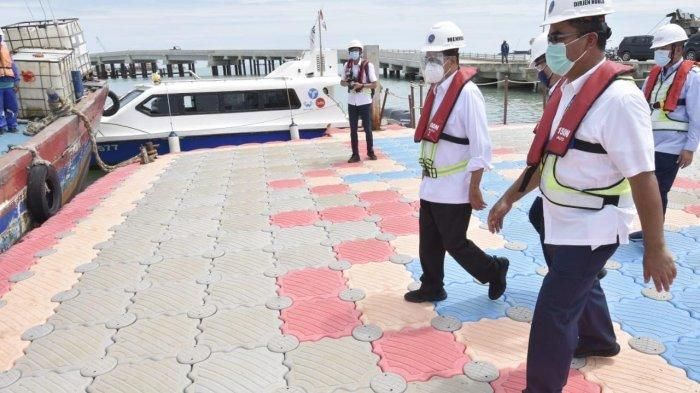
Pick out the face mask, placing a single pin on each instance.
(662, 57)
(355, 55)
(433, 73)
(557, 60)
(544, 78)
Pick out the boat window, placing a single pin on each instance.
(200, 103)
(240, 101)
(277, 99)
(158, 106)
(128, 97)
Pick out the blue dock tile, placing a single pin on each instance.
(693, 232)
(399, 175)
(685, 354)
(680, 244)
(684, 277)
(647, 317)
(520, 264)
(618, 286)
(690, 260)
(523, 290)
(629, 253)
(415, 269)
(470, 303)
(509, 165)
(689, 300)
(350, 179)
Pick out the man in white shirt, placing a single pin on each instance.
(596, 132)
(455, 151)
(673, 93)
(361, 80)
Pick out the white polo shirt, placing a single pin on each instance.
(467, 120)
(620, 121)
(364, 97)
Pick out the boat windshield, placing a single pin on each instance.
(128, 97)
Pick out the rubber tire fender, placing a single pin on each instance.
(112, 110)
(43, 193)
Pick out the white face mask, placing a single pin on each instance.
(433, 73)
(662, 57)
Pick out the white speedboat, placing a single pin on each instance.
(207, 113)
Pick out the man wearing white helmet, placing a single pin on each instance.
(593, 158)
(361, 80)
(673, 93)
(9, 82)
(538, 61)
(455, 151)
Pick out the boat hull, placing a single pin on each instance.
(117, 151)
(65, 143)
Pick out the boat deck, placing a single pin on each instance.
(18, 138)
(280, 268)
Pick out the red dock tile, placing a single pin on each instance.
(312, 320)
(379, 196)
(343, 214)
(513, 381)
(320, 173)
(332, 189)
(391, 209)
(685, 183)
(311, 283)
(420, 354)
(364, 251)
(295, 218)
(401, 225)
(286, 183)
(693, 209)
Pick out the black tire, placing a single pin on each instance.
(43, 193)
(626, 56)
(114, 108)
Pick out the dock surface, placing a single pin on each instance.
(281, 268)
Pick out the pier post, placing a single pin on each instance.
(385, 72)
(132, 70)
(266, 65)
(498, 78)
(229, 72)
(372, 54)
(144, 70)
(103, 71)
(215, 70)
(192, 67)
(154, 67)
(169, 68)
(237, 67)
(112, 71)
(181, 69)
(124, 71)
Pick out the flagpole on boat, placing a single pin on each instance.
(320, 41)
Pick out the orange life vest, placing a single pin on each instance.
(5, 62)
(672, 100)
(430, 129)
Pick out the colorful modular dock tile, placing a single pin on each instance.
(280, 268)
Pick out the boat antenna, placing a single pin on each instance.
(52, 14)
(289, 100)
(170, 112)
(44, 11)
(29, 9)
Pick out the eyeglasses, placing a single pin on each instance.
(555, 38)
(437, 58)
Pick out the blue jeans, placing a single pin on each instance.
(666, 171)
(8, 108)
(571, 312)
(355, 113)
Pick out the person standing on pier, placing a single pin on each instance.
(361, 80)
(596, 132)
(9, 84)
(672, 90)
(455, 151)
(505, 51)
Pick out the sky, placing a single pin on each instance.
(286, 24)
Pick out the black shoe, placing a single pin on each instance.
(353, 159)
(418, 296)
(12, 130)
(3, 130)
(636, 236)
(602, 273)
(372, 156)
(497, 286)
(603, 353)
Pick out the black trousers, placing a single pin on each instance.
(443, 228)
(355, 113)
(666, 171)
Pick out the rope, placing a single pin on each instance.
(36, 159)
(60, 109)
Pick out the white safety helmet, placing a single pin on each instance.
(356, 44)
(561, 10)
(443, 36)
(669, 34)
(538, 48)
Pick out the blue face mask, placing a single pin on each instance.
(355, 55)
(544, 78)
(557, 60)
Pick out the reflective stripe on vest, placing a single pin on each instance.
(618, 194)
(428, 151)
(659, 117)
(5, 62)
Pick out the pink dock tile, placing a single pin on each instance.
(513, 381)
(503, 150)
(311, 283)
(391, 209)
(343, 214)
(294, 218)
(420, 354)
(312, 320)
(364, 251)
(330, 189)
(320, 173)
(379, 196)
(401, 225)
(286, 183)
(685, 183)
(693, 209)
